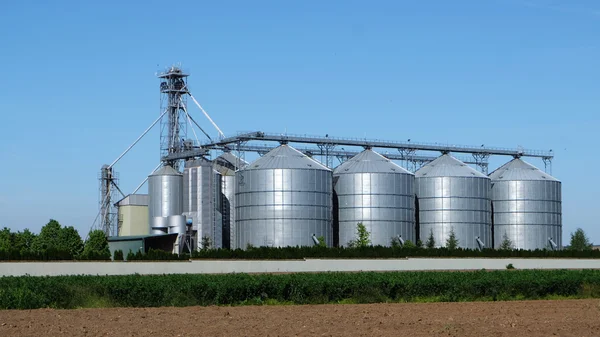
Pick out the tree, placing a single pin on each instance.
(580, 241)
(24, 240)
(48, 236)
(409, 244)
(506, 243)
(322, 242)
(70, 241)
(96, 247)
(362, 237)
(419, 244)
(205, 243)
(6, 239)
(130, 255)
(118, 255)
(430, 244)
(452, 241)
(57, 241)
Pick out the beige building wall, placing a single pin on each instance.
(133, 220)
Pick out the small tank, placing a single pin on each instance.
(177, 224)
(527, 207)
(453, 196)
(283, 199)
(372, 190)
(159, 225)
(165, 196)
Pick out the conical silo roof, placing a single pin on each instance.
(232, 159)
(447, 166)
(519, 170)
(285, 157)
(166, 171)
(369, 161)
(227, 163)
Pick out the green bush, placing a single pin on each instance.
(118, 255)
(233, 289)
(130, 256)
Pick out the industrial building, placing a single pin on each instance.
(303, 188)
(133, 215)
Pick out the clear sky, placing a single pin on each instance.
(79, 85)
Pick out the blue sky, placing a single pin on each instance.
(79, 85)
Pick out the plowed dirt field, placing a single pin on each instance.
(523, 318)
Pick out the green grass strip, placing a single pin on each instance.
(315, 288)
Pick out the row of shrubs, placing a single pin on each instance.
(51, 254)
(285, 253)
(151, 255)
(295, 253)
(234, 289)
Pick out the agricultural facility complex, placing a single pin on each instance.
(306, 189)
(346, 168)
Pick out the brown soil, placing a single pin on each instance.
(526, 318)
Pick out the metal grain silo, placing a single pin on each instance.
(226, 164)
(282, 199)
(451, 195)
(165, 198)
(375, 191)
(201, 198)
(526, 206)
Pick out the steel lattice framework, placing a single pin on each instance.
(329, 148)
(173, 128)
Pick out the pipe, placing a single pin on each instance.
(553, 244)
(480, 243)
(137, 140)
(146, 179)
(207, 116)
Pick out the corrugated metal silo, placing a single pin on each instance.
(375, 191)
(226, 164)
(282, 199)
(527, 206)
(201, 193)
(452, 195)
(165, 198)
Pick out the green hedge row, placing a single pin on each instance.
(156, 255)
(268, 253)
(50, 254)
(291, 253)
(234, 289)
